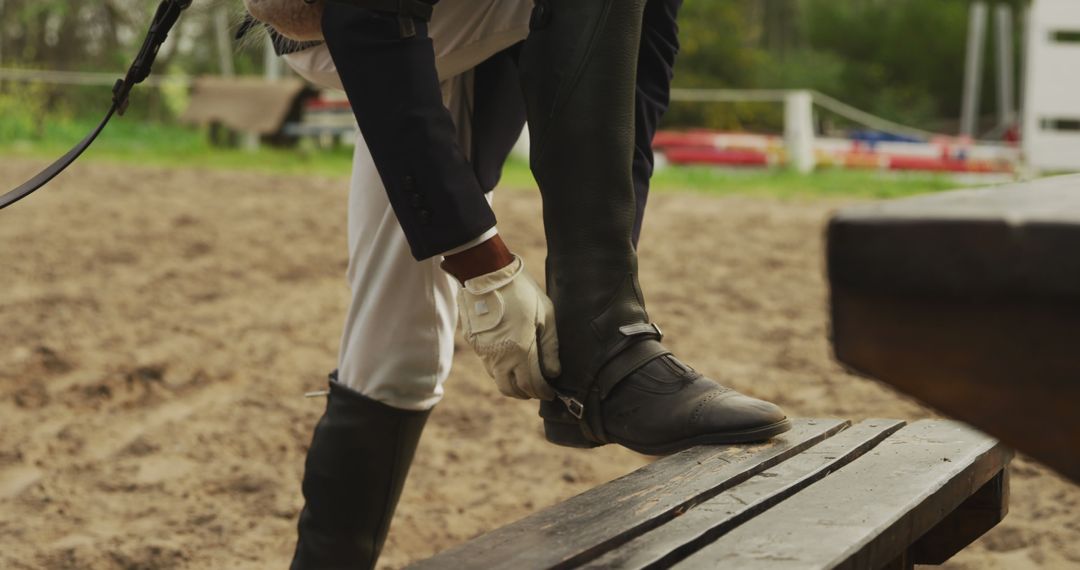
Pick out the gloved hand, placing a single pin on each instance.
(510, 323)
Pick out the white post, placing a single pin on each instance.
(1, 33)
(799, 131)
(272, 63)
(249, 141)
(973, 69)
(1006, 67)
(1025, 39)
(522, 146)
(224, 46)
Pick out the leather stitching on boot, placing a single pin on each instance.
(694, 417)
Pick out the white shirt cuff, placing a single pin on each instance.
(494, 231)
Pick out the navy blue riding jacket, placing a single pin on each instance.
(393, 88)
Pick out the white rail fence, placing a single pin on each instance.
(84, 78)
(799, 106)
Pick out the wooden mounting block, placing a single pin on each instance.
(880, 494)
(970, 302)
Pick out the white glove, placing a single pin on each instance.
(510, 323)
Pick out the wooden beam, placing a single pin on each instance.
(711, 519)
(969, 301)
(598, 520)
(866, 514)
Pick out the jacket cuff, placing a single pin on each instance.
(473, 242)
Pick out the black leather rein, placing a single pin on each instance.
(168, 12)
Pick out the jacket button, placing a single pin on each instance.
(425, 217)
(410, 183)
(416, 200)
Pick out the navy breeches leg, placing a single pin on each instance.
(656, 68)
(619, 384)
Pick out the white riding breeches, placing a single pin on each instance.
(398, 342)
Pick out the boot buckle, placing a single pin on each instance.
(573, 405)
(651, 329)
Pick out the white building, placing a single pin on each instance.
(1052, 99)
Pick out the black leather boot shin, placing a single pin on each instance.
(618, 384)
(355, 471)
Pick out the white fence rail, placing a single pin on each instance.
(83, 77)
(799, 128)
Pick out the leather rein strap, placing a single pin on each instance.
(168, 12)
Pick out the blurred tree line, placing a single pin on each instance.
(901, 59)
(104, 35)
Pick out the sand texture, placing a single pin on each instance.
(158, 329)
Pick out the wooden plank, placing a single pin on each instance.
(589, 524)
(702, 524)
(980, 513)
(969, 301)
(866, 514)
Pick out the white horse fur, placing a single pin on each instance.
(295, 19)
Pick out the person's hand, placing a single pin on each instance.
(510, 323)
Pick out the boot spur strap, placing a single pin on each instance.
(592, 427)
(626, 359)
(617, 366)
(640, 345)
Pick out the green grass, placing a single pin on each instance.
(133, 142)
(832, 182)
(156, 144)
(776, 183)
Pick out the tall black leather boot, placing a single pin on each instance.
(356, 467)
(618, 383)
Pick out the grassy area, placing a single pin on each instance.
(135, 142)
(831, 182)
(153, 144)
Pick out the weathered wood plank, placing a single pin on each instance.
(970, 302)
(589, 524)
(704, 523)
(866, 514)
(980, 513)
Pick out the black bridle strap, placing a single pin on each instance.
(45, 176)
(168, 12)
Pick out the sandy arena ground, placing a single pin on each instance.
(159, 327)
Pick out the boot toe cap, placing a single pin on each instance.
(738, 412)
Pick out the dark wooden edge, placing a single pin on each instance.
(978, 514)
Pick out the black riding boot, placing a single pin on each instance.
(356, 468)
(618, 383)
